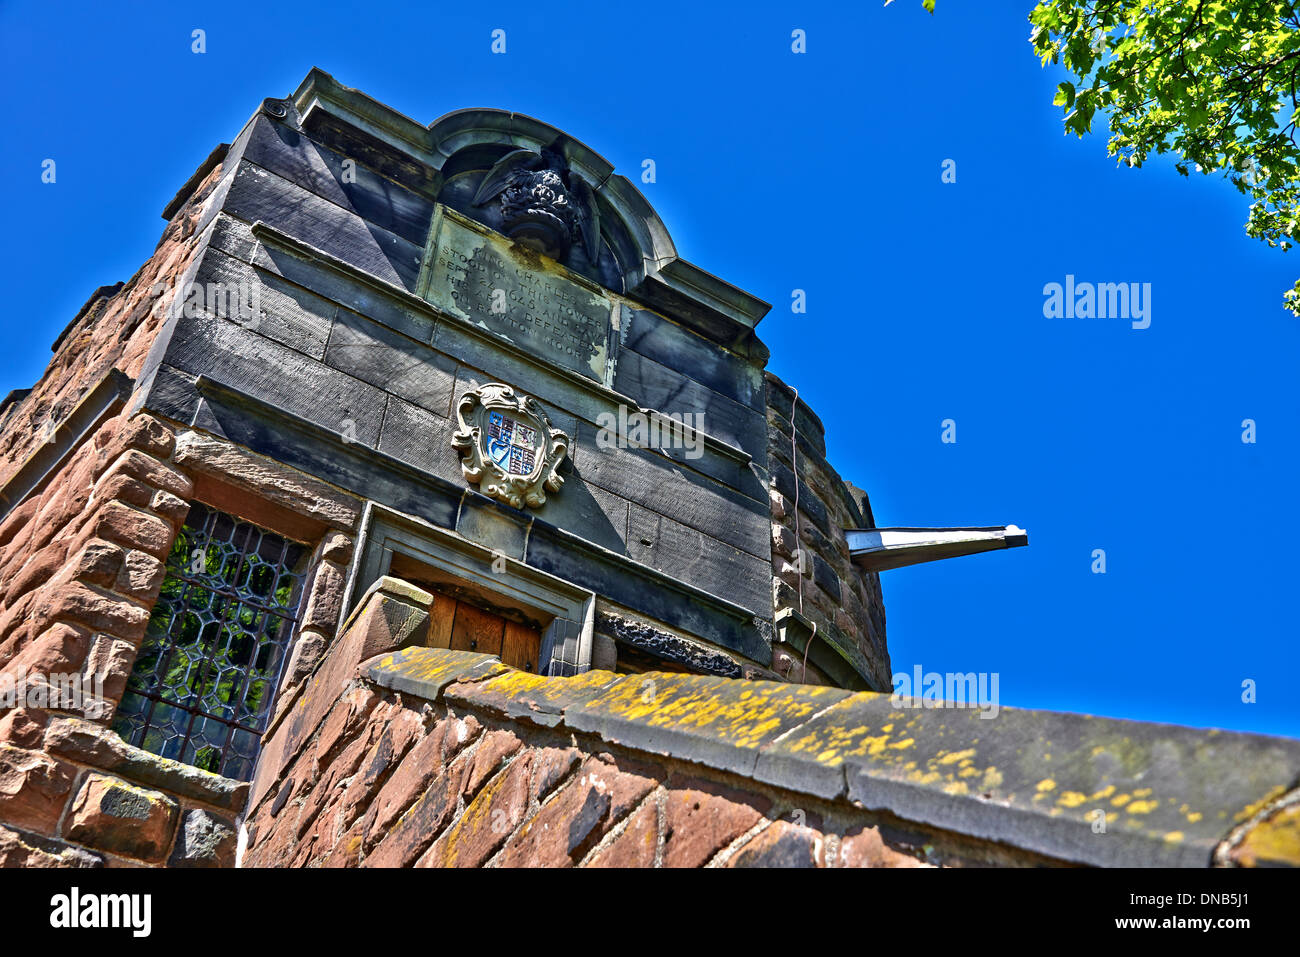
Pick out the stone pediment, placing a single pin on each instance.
(451, 158)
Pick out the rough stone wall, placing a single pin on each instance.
(115, 329)
(429, 757)
(360, 774)
(81, 564)
(389, 782)
(822, 583)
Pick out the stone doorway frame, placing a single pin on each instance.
(568, 638)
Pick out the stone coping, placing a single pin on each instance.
(1076, 788)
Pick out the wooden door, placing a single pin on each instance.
(465, 627)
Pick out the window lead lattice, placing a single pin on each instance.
(211, 659)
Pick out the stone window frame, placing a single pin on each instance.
(567, 641)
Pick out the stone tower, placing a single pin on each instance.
(393, 388)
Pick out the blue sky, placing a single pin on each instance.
(820, 172)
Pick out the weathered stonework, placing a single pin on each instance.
(81, 564)
(811, 571)
(692, 578)
(438, 758)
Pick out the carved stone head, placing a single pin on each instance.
(544, 206)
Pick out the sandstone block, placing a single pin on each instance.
(636, 845)
(33, 788)
(205, 840)
(782, 844)
(19, 849)
(325, 602)
(864, 848)
(101, 611)
(283, 485)
(134, 529)
(152, 472)
(169, 506)
(336, 547)
(22, 727)
(701, 818)
(141, 576)
(495, 748)
(110, 814)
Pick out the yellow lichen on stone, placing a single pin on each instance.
(694, 703)
(870, 746)
(1250, 810)
(1274, 841)
(1047, 784)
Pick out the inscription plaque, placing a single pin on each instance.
(519, 295)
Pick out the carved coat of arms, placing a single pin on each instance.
(507, 446)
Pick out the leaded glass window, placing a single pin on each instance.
(208, 668)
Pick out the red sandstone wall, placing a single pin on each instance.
(112, 332)
(81, 563)
(355, 773)
(396, 754)
(392, 782)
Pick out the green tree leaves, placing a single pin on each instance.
(1213, 82)
(928, 4)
